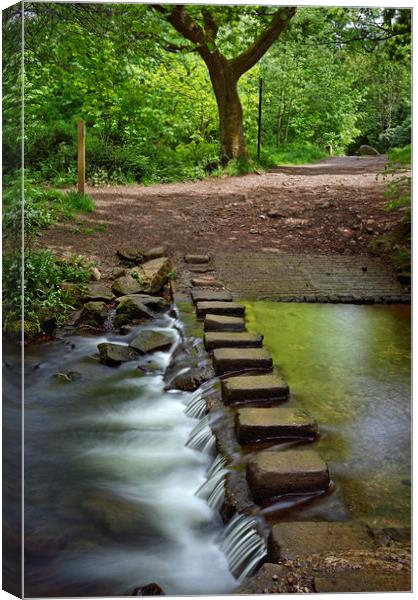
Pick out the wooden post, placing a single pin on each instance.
(81, 155)
(260, 107)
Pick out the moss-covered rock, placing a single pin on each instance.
(94, 313)
(131, 309)
(151, 341)
(115, 354)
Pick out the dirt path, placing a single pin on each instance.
(333, 207)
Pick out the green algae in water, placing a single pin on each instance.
(349, 366)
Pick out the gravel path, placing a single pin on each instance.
(335, 206)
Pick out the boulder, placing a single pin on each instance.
(73, 292)
(148, 278)
(295, 540)
(151, 341)
(152, 302)
(130, 255)
(276, 473)
(366, 150)
(98, 291)
(157, 252)
(188, 380)
(131, 309)
(115, 354)
(94, 313)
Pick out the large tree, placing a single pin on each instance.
(202, 29)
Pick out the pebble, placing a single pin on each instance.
(95, 274)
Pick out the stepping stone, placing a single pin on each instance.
(206, 282)
(275, 473)
(290, 541)
(222, 323)
(259, 424)
(197, 259)
(234, 360)
(362, 581)
(220, 308)
(211, 296)
(232, 340)
(201, 269)
(270, 388)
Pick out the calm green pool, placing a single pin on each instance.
(349, 366)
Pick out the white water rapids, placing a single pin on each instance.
(114, 467)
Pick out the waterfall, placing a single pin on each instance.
(196, 408)
(213, 489)
(243, 545)
(201, 437)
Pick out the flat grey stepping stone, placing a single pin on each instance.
(270, 388)
(232, 340)
(274, 473)
(234, 360)
(206, 282)
(201, 268)
(259, 424)
(98, 291)
(197, 259)
(203, 295)
(220, 308)
(222, 323)
(151, 341)
(364, 580)
(289, 541)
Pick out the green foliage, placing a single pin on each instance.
(295, 153)
(397, 243)
(42, 292)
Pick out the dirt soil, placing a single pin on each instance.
(334, 206)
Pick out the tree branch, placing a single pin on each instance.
(247, 59)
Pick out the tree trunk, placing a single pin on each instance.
(231, 127)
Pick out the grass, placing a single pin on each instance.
(289, 154)
(401, 156)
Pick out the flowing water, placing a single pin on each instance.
(349, 366)
(112, 465)
(122, 485)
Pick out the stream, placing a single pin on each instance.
(116, 489)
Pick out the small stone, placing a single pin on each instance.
(113, 355)
(151, 341)
(276, 214)
(68, 376)
(151, 589)
(95, 274)
(197, 259)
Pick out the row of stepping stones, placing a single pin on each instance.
(256, 392)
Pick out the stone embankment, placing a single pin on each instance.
(250, 410)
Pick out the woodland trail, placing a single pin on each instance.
(334, 207)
